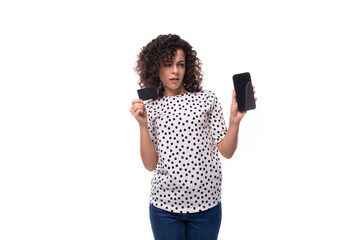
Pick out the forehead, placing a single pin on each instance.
(178, 56)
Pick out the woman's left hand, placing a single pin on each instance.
(235, 114)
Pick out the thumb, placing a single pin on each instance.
(234, 96)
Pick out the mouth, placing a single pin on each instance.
(174, 79)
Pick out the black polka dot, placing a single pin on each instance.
(185, 130)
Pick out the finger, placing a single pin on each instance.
(133, 112)
(233, 96)
(255, 98)
(138, 112)
(137, 101)
(138, 105)
(135, 108)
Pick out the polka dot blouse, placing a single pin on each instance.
(185, 130)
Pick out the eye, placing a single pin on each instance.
(181, 65)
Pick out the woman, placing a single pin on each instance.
(181, 133)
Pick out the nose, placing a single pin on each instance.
(174, 68)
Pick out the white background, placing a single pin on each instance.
(69, 148)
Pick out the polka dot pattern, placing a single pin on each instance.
(185, 130)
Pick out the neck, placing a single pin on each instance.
(175, 92)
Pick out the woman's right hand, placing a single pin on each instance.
(138, 110)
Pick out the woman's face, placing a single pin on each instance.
(172, 74)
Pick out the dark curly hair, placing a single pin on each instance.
(163, 48)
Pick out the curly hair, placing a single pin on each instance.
(163, 48)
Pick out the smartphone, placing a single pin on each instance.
(244, 92)
(148, 93)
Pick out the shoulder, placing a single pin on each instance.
(152, 106)
(206, 92)
(210, 95)
(152, 103)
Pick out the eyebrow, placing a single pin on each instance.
(167, 61)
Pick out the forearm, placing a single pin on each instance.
(228, 145)
(147, 150)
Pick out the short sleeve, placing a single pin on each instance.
(216, 120)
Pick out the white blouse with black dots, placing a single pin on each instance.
(185, 130)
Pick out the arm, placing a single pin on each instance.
(147, 151)
(227, 146)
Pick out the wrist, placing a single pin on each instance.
(143, 125)
(234, 122)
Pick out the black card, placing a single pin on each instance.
(244, 92)
(148, 93)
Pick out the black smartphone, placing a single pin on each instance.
(244, 92)
(148, 93)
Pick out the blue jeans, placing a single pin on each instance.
(185, 226)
